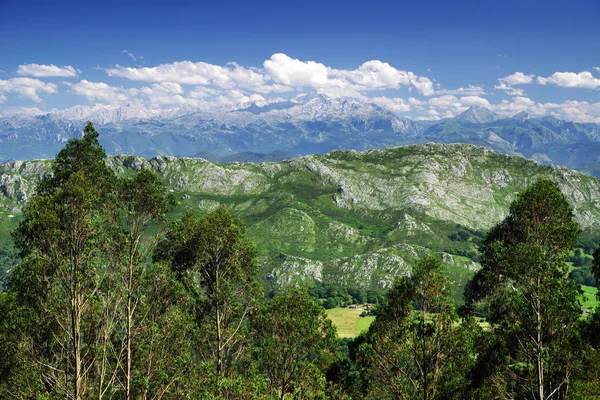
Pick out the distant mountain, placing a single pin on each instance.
(245, 157)
(546, 139)
(476, 115)
(307, 124)
(304, 125)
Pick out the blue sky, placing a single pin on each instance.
(425, 59)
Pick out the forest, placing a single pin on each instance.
(110, 300)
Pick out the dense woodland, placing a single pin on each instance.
(111, 301)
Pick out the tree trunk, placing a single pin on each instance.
(540, 349)
(219, 333)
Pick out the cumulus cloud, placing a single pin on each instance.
(41, 71)
(397, 105)
(509, 89)
(100, 91)
(471, 90)
(583, 80)
(293, 72)
(571, 110)
(28, 88)
(229, 86)
(518, 78)
(280, 74)
(164, 93)
(200, 73)
(377, 75)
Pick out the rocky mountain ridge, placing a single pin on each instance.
(303, 125)
(354, 217)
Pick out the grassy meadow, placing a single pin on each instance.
(348, 321)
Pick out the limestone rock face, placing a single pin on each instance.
(355, 218)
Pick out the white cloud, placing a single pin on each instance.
(376, 74)
(100, 91)
(397, 105)
(597, 69)
(10, 111)
(371, 75)
(164, 93)
(293, 72)
(450, 106)
(279, 74)
(518, 78)
(583, 80)
(571, 110)
(515, 106)
(27, 87)
(582, 111)
(40, 71)
(2, 98)
(200, 73)
(501, 55)
(471, 90)
(509, 89)
(131, 55)
(470, 101)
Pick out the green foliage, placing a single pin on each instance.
(533, 304)
(410, 349)
(8, 259)
(217, 265)
(334, 296)
(296, 342)
(62, 240)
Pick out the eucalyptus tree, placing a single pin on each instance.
(143, 202)
(533, 305)
(416, 348)
(217, 264)
(63, 239)
(295, 343)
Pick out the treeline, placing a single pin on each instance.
(110, 300)
(332, 296)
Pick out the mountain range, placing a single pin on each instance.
(304, 125)
(347, 217)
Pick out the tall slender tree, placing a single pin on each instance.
(533, 304)
(410, 350)
(295, 342)
(61, 240)
(143, 201)
(217, 264)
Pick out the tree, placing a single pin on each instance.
(295, 340)
(143, 200)
(61, 241)
(75, 297)
(533, 306)
(217, 265)
(410, 350)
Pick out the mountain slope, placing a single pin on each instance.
(357, 218)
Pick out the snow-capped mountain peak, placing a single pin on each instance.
(477, 115)
(105, 114)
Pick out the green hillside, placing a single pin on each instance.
(350, 218)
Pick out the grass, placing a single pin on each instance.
(590, 300)
(348, 322)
